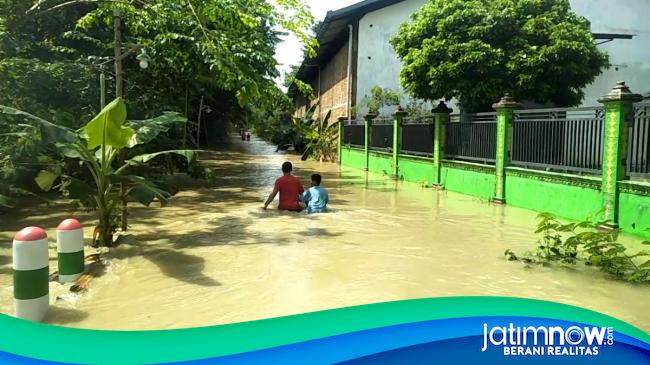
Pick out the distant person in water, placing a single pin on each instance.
(290, 189)
(316, 197)
(248, 137)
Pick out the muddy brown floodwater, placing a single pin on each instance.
(213, 256)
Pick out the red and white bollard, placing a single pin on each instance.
(70, 248)
(31, 264)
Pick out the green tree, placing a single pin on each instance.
(380, 98)
(216, 51)
(477, 50)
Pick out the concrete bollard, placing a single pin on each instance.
(31, 264)
(70, 248)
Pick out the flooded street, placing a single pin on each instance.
(213, 256)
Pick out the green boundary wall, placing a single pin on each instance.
(569, 196)
(609, 199)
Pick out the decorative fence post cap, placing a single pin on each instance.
(30, 234)
(399, 112)
(442, 108)
(370, 116)
(69, 225)
(508, 102)
(621, 92)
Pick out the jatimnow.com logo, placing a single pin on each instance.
(547, 340)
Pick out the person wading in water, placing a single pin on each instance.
(290, 189)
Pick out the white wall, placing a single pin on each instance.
(631, 55)
(383, 67)
(606, 16)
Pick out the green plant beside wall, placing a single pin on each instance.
(321, 137)
(573, 243)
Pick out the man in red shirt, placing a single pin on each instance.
(290, 189)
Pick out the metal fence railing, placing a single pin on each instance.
(417, 136)
(381, 136)
(567, 140)
(354, 134)
(639, 142)
(473, 141)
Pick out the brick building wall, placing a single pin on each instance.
(333, 88)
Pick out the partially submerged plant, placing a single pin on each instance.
(583, 242)
(97, 146)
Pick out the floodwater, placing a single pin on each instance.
(214, 257)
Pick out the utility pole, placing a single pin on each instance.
(102, 89)
(119, 93)
(117, 27)
(198, 132)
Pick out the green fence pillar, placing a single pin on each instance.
(505, 114)
(341, 121)
(398, 117)
(367, 133)
(440, 118)
(618, 106)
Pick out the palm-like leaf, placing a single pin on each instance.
(49, 131)
(141, 159)
(107, 128)
(147, 130)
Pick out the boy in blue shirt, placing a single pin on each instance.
(316, 197)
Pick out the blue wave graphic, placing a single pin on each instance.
(380, 345)
(443, 341)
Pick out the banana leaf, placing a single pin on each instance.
(147, 130)
(45, 179)
(144, 191)
(188, 154)
(50, 132)
(146, 194)
(108, 129)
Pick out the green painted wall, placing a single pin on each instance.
(568, 196)
(380, 163)
(634, 209)
(574, 198)
(353, 157)
(416, 169)
(468, 180)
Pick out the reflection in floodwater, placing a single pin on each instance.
(213, 256)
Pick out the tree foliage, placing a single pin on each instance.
(477, 50)
(379, 99)
(229, 44)
(216, 53)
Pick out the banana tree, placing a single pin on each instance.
(321, 136)
(97, 146)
